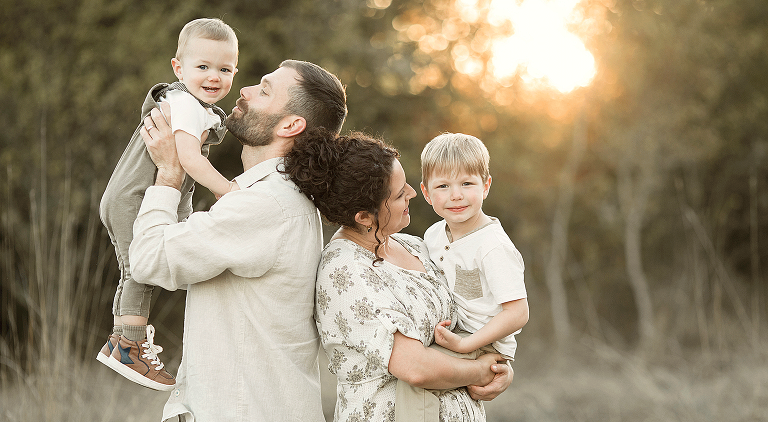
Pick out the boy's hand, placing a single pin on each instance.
(446, 338)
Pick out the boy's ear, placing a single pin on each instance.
(486, 187)
(176, 65)
(425, 192)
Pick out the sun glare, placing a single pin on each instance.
(541, 49)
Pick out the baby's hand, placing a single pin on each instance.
(446, 338)
(233, 186)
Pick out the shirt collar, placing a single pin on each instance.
(259, 172)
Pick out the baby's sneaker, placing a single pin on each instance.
(138, 361)
(106, 350)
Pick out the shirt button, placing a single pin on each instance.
(441, 258)
(447, 247)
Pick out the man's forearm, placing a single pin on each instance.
(148, 253)
(172, 178)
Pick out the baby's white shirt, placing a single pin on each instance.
(188, 115)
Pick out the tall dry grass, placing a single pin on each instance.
(52, 308)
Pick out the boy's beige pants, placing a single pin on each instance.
(414, 404)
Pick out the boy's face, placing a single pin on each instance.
(458, 198)
(207, 68)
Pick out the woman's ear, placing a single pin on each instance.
(364, 218)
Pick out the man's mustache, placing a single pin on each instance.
(242, 104)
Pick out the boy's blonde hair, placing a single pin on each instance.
(451, 153)
(206, 28)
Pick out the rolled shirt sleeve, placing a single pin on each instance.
(170, 254)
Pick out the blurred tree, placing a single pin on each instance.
(656, 109)
(672, 173)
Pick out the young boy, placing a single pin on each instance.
(205, 64)
(483, 267)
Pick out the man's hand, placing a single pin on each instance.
(161, 146)
(501, 381)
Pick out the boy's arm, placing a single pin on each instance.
(513, 316)
(198, 167)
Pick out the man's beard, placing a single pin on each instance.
(254, 128)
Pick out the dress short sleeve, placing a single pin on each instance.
(358, 309)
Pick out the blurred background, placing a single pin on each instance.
(629, 155)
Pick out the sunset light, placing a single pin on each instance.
(536, 44)
(540, 49)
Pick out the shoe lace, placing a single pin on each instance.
(151, 349)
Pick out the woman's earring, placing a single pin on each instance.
(369, 229)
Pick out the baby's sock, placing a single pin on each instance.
(135, 332)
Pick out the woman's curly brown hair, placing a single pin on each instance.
(342, 175)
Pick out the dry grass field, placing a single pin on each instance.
(57, 319)
(596, 383)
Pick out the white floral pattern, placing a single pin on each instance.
(359, 306)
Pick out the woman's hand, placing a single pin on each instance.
(501, 381)
(487, 361)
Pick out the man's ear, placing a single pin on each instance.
(425, 192)
(291, 126)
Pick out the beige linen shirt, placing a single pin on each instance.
(250, 341)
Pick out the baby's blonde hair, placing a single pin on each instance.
(206, 28)
(451, 153)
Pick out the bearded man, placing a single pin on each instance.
(249, 263)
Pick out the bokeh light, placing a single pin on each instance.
(540, 49)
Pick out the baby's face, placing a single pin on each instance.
(207, 68)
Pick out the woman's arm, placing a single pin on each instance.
(423, 367)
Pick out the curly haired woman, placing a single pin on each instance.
(378, 296)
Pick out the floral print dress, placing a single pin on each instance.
(358, 309)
